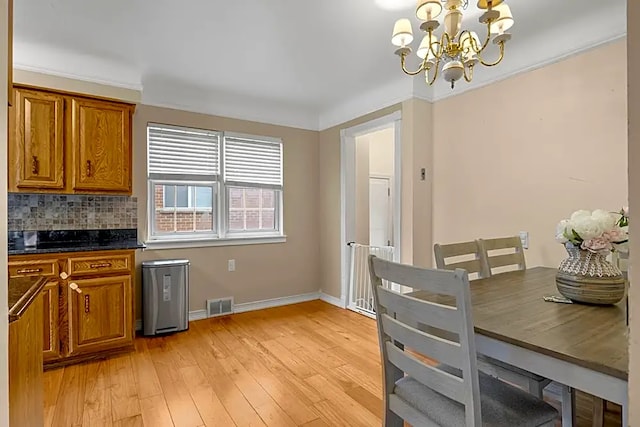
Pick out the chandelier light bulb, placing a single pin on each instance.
(402, 33)
(428, 10)
(504, 22)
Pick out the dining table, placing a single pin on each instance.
(577, 345)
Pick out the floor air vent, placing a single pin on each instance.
(219, 307)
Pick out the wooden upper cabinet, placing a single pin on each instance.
(100, 315)
(37, 154)
(101, 141)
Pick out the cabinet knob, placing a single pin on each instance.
(64, 275)
(74, 287)
(34, 165)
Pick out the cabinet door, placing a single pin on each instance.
(37, 154)
(100, 314)
(51, 336)
(101, 135)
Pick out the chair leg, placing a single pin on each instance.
(535, 388)
(598, 412)
(568, 406)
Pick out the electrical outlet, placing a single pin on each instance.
(232, 265)
(524, 238)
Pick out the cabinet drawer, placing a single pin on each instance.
(99, 264)
(33, 268)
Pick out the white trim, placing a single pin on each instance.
(275, 302)
(374, 125)
(333, 300)
(101, 81)
(197, 315)
(203, 243)
(347, 186)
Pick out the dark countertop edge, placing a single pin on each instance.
(25, 300)
(112, 247)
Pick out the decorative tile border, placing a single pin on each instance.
(65, 212)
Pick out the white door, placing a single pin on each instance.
(380, 221)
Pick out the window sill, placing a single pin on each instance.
(202, 243)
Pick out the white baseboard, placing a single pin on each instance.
(332, 300)
(275, 302)
(268, 303)
(197, 315)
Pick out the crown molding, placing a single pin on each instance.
(169, 93)
(381, 97)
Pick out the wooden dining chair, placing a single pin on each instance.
(464, 255)
(472, 257)
(502, 254)
(452, 393)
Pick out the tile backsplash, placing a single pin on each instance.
(67, 212)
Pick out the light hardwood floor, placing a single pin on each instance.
(309, 364)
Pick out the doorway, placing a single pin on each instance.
(371, 202)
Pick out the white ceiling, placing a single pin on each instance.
(303, 63)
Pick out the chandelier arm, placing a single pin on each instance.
(411, 73)
(439, 45)
(491, 64)
(470, 76)
(435, 74)
(486, 40)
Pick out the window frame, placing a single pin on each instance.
(222, 235)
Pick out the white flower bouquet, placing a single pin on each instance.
(598, 231)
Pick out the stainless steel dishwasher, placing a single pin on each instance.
(165, 296)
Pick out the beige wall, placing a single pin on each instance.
(374, 156)
(381, 152)
(262, 271)
(633, 57)
(523, 153)
(362, 189)
(4, 346)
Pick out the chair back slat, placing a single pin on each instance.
(396, 335)
(440, 282)
(431, 346)
(514, 259)
(464, 255)
(443, 382)
(440, 316)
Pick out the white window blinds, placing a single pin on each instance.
(251, 162)
(183, 152)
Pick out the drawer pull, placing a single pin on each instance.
(74, 287)
(34, 165)
(29, 270)
(87, 304)
(100, 265)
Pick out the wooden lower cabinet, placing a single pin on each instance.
(25, 368)
(51, 308)
(87, 305)
(99, 314)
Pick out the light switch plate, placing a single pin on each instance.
(524, 238)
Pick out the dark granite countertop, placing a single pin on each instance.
(22, 292)
(56, 241)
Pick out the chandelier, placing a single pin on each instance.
(456, 52)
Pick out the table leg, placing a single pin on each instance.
(568, 406)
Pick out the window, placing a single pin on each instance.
(213, 185)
